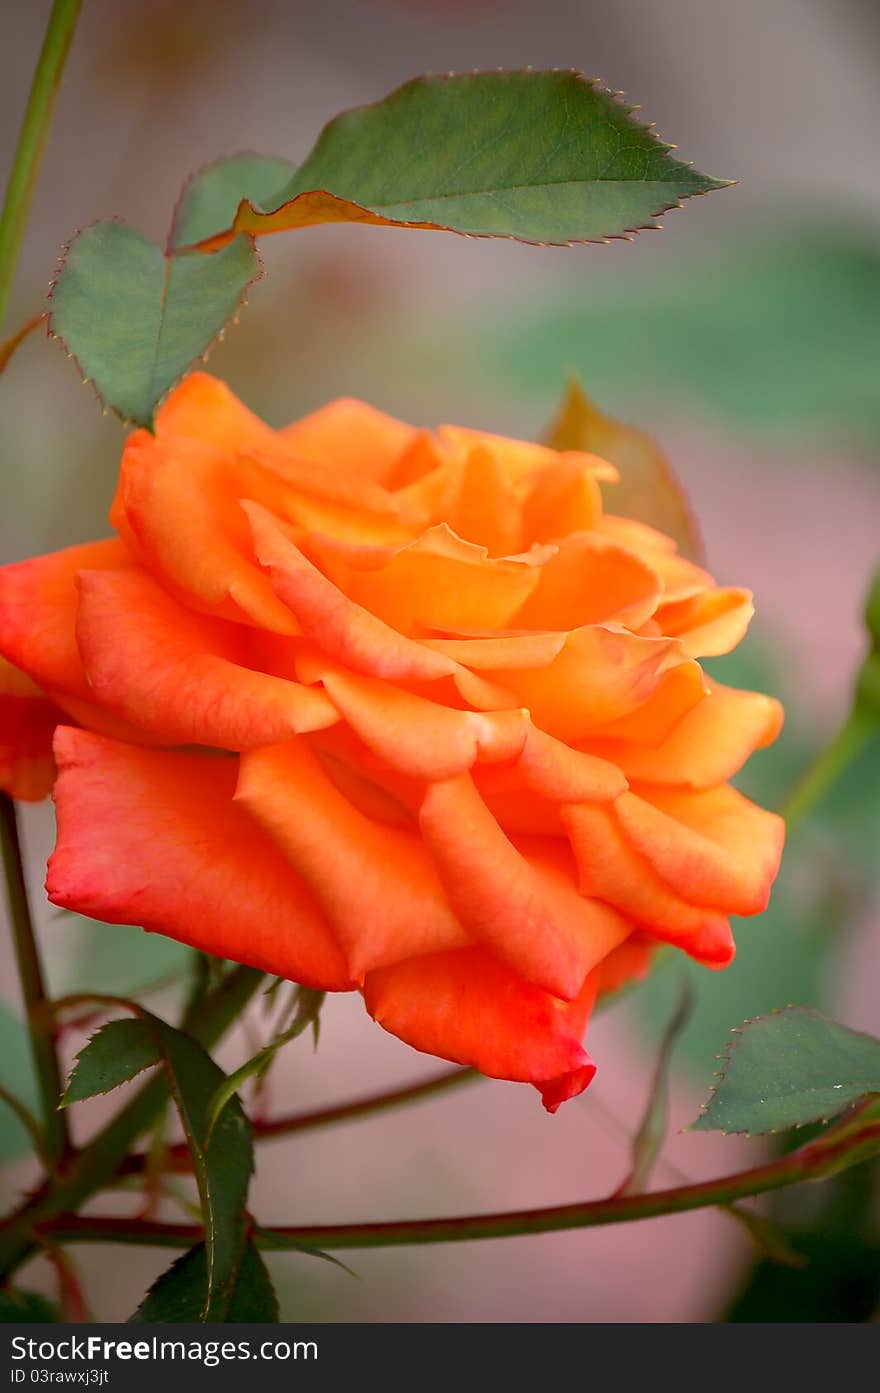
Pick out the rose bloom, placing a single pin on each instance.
(392, 710)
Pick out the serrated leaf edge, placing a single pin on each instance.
(107, 408)
(67, 1102)
(726, 1056)
(628, 234)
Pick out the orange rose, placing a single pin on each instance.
(382, 708)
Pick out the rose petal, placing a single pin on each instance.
(342, 628)
(38, 602)
(178, 502)
(179, 675)
(678, 691)
(600, 675)
(554, 770)
(484, 507)
(591, 581)
(468, 1007)
(526, 909)
(612, 870)
(440, 581)
(419, 737)
(203, 408)
(714, 847)
(153, 838)
(707, 746)
(375, 883)
(564, 497)
(350, 436)
(494, 653)
(708, 624)
(27, 724)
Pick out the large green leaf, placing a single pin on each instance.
(774, 334)
(544, 157)
(223, 1169)
(135, 320)
(788, 1069)
(178, 1296)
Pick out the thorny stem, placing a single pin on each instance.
(815, 1161)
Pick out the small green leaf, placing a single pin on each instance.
(135, 320)
(210, 198)
(121, 1050)
(115, 1054)
(177, 1298)
(545, 157)
(788, 1069)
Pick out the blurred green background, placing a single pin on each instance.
(745, 336)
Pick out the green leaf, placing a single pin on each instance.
(210, 198)
(545, 157)
(788, 1069)
(121, 1050)
(178, 1296)
(224, 1169)
(115, 1054)
(19, 1307)
(647, 489)
(135, 320)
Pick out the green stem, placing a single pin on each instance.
(97, 1163)
(827, 767)
(32, 139)
(815, 1161)
(30, 972)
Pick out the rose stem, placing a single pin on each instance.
(815, 1161)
